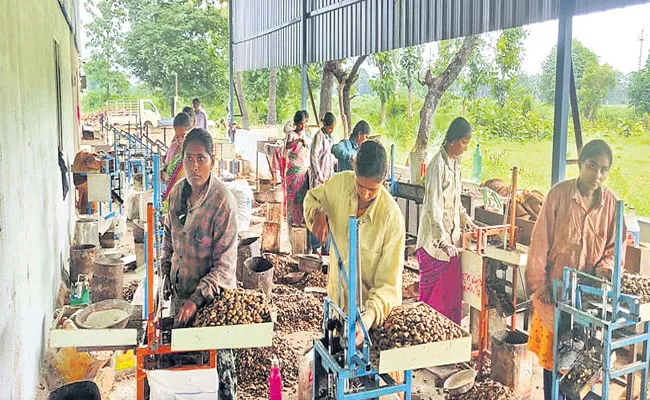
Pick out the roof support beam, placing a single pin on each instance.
(562, 79)
(231, 70)
(303, 55)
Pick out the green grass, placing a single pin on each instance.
(629, 176)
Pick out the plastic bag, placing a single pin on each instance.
(244, 196)
(174, 385)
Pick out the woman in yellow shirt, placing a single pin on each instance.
(381, 231)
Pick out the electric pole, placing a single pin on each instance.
(641, 39)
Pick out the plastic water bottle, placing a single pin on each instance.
(275, 381)
(477, 165)
(633, 228)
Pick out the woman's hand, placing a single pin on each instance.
(320, 229)
(368, 319)
(471, 226)
(545, 294)
(604, 273)
(185, 314)
(450, 249)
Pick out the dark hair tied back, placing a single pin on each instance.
(595, 149)
(458, 129)
(329, 119)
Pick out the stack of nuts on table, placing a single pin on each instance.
(234, 307)
(486, 389)
(297, 311)
(414, 324)
(637, 285)
(313, 279)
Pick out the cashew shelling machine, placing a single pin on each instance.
(592, 320)
(337, 360)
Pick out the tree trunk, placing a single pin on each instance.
(347, 88)
(245, 121)
(436, 87)
(344, 118)
(271, 118)
(383, 113)
(326, 87)
(410, 98)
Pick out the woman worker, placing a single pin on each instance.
(345, 151)
(295, 175)
(173, 161)
(575, 228)
(200, 243)
(442, 220)
(381, 232)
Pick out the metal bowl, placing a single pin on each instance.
(309, 263)
(260, 197)
(81, 318)
(461, 382)
(138, 231)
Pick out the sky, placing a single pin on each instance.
(612, 35)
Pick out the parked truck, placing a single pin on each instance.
(134, 112)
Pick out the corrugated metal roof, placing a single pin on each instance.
(268, 33)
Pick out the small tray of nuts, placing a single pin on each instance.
(416, 336)
(236, 319)
(577, 383)
(638, 285)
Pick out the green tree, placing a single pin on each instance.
(477, 73)
(384, 84)
(639, 89)
(597, 82)
(256, 84)
(410, 62)
(188, 37)
(104, 32)
(581, 57)
(509, 54)
(438, 84)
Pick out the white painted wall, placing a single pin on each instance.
(36, 224)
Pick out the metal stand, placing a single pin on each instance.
(337, 360)
(152, 354)
(602, 319)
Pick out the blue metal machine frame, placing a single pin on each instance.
(353, 363)
(619, 314)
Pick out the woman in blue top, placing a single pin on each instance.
(345, 151)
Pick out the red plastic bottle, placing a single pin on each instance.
(275, 381)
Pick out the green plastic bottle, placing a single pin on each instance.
(477, 165)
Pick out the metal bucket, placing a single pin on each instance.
(107, 240)
(299, 241)
(86, 231)
(275, 195)
(274, 211)
(138, 231)
(81, 261)
(108, 279)
(260, 197)
(512, 363)
(265, 184)
(271, 237)
(258, 274)
(249, 246)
